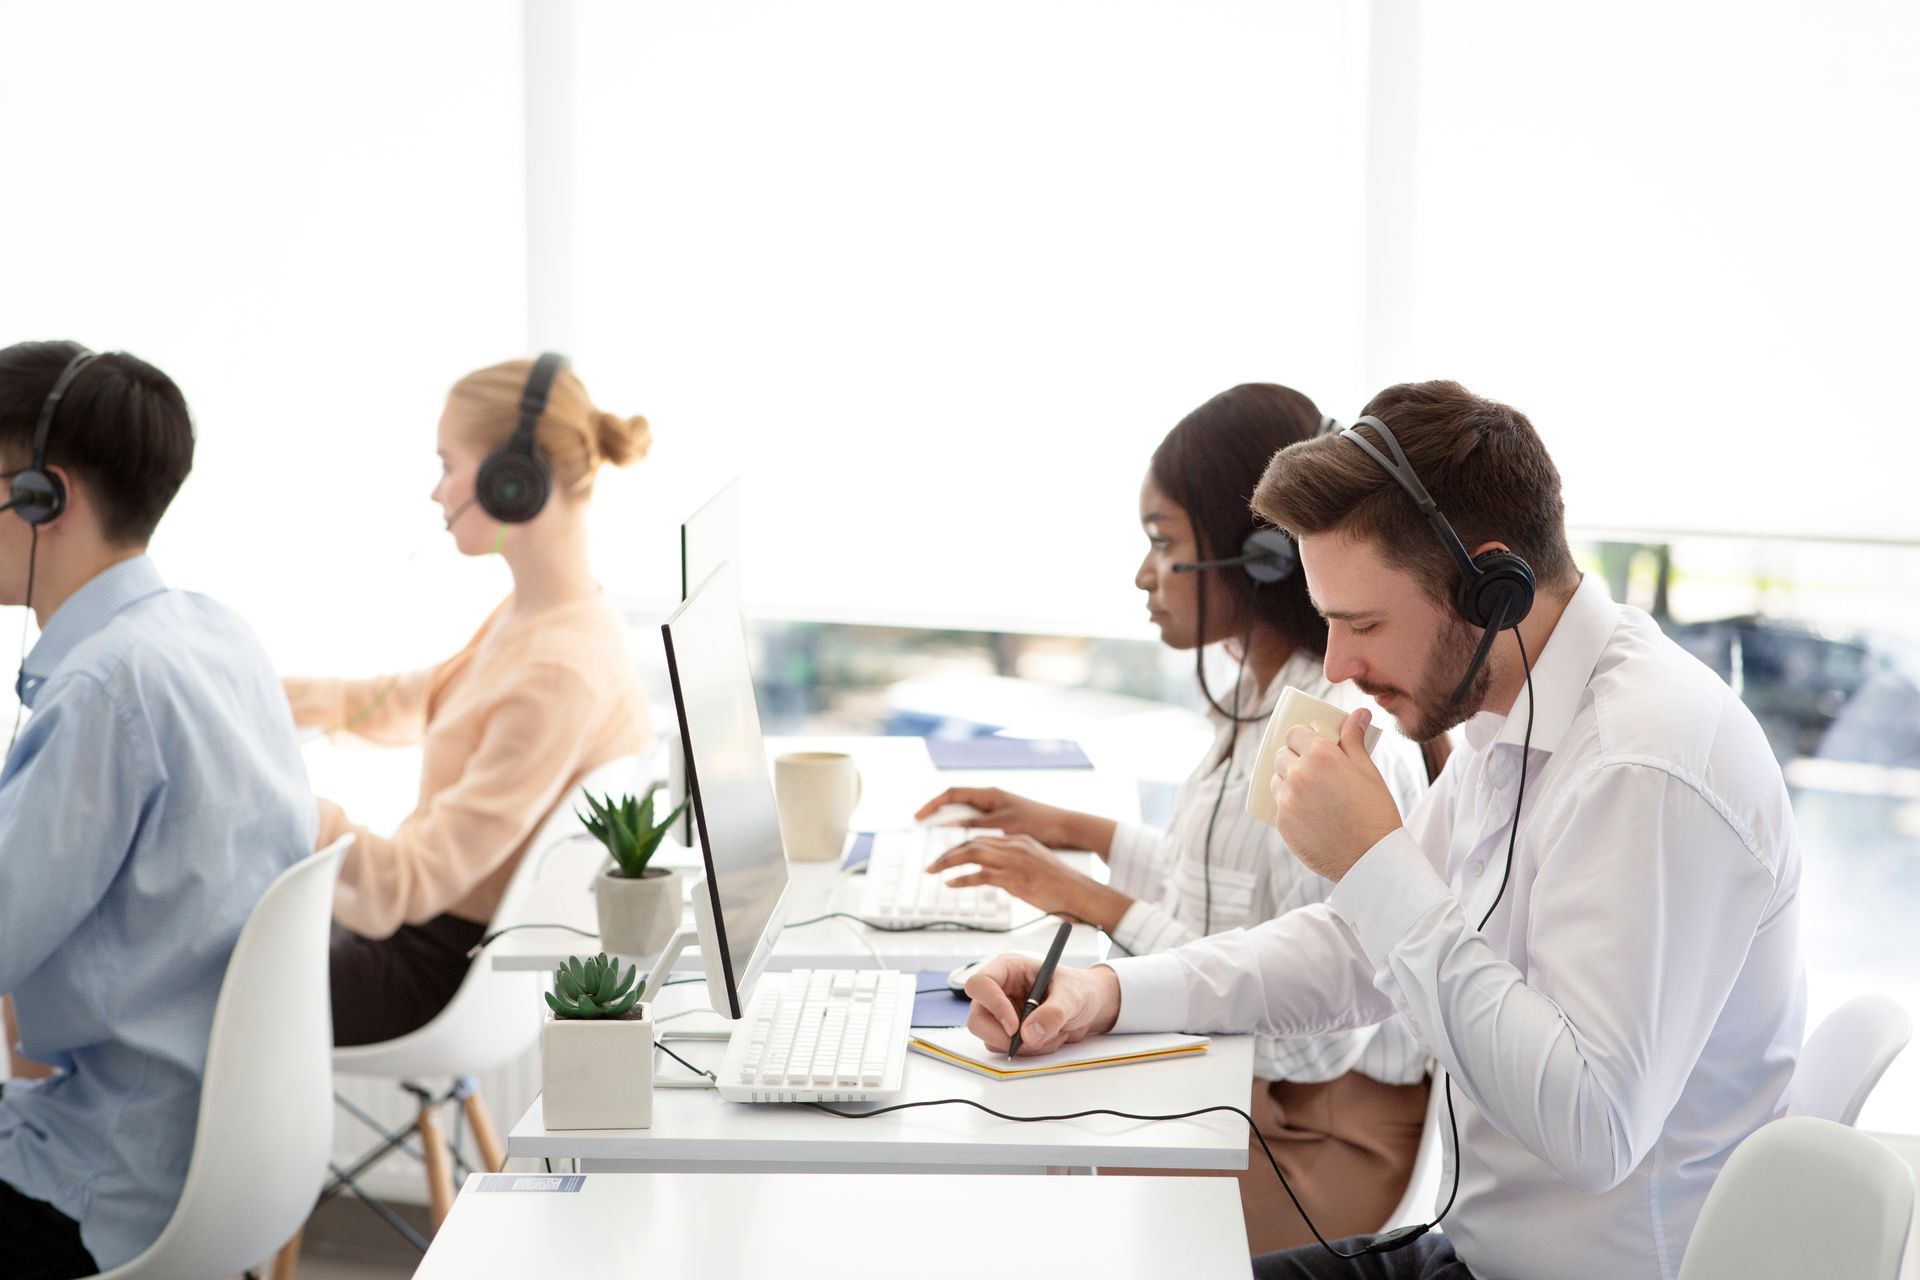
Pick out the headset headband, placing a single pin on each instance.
(52, 403)
(533, 398)
(1402, 470)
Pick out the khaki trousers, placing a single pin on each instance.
(1347, 1147)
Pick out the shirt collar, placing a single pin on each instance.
(83, 613)
(1561, 671)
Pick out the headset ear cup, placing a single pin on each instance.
(1268, 555)
(512, 487)
(1502, 578)
(37, 496)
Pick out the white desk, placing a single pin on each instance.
(734, 1227)
(898, 777)
(695, 1130)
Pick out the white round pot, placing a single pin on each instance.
(637, 917)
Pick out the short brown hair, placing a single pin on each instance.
(122, 428)
(1481, 461)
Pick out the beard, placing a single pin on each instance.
(1433, 709)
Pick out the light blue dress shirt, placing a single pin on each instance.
(155, 793)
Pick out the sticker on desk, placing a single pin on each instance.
(531, 1182)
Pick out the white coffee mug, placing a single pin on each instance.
(1295, 707)
(815, 792)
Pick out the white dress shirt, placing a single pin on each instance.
(1254, 876)
(1635, 1006)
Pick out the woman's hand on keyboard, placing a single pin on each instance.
(1018, 816)
(1080, 1003)
(1024, 868)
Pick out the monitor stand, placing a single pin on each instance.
(701, 935)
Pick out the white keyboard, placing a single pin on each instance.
(900, 894)
(821, 1035)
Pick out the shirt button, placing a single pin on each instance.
(1479, 867)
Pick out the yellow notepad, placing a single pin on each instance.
(962, 1048)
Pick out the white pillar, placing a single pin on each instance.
(548, 26)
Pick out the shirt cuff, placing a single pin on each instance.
(1132, 931)
(1153, 993)
(1131, 857)
(1386, 892)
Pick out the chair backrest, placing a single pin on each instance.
(266, 1103)
(494, 1016)
(1845, 1057)
(1804, 1197)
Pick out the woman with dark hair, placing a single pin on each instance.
(1341, 1112)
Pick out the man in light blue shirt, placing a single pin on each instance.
(152, 795)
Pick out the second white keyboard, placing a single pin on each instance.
(900, 894)
(821, 1035)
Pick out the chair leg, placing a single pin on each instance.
(287, 1260)
(484, 1137)
(439, 1165)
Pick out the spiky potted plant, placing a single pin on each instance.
(639, 905)
(596, 1050)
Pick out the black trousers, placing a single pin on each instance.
(38, 1242)
(386, 987)
(1428, 1258)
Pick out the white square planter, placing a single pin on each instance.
(597, 1073)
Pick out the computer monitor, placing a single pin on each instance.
(731, 788)
(709, 538)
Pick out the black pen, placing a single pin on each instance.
(1038, 996)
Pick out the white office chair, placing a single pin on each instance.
(1422, 1196)
(1845, 1057)
(492, 1018)
(1804, 1197)
(266, 1124)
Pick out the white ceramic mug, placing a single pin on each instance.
(815, 792)
(1294, 708)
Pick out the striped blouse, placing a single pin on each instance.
(1181, 883)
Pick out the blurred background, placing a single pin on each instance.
(932, 281)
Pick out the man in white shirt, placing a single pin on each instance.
(1614, 987)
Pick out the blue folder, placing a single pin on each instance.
(994, 752)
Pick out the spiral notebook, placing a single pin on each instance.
(963, 1049)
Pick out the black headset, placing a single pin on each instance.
(516, 479)
(37, 495)
(1495, 591)
(1267, 555)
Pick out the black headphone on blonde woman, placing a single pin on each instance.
(516, 479)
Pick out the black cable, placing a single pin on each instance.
(1226, 773)
(1513, 835)
(1133, 1115)
(699, 1071)
(26, 616)
(491, 938)
(936, 925)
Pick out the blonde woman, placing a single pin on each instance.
(543, 693)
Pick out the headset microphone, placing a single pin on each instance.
(460, 511)
(1267, 555)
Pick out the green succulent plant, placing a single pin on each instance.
(593, 989)
(627, 828)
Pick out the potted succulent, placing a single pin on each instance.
(596, 1050)
(639, 905)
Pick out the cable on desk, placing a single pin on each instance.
(961, 926)
(1376, 1247)
(497, 934)
(699, 1071)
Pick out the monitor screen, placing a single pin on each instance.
(728, 778)
(710, 537)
